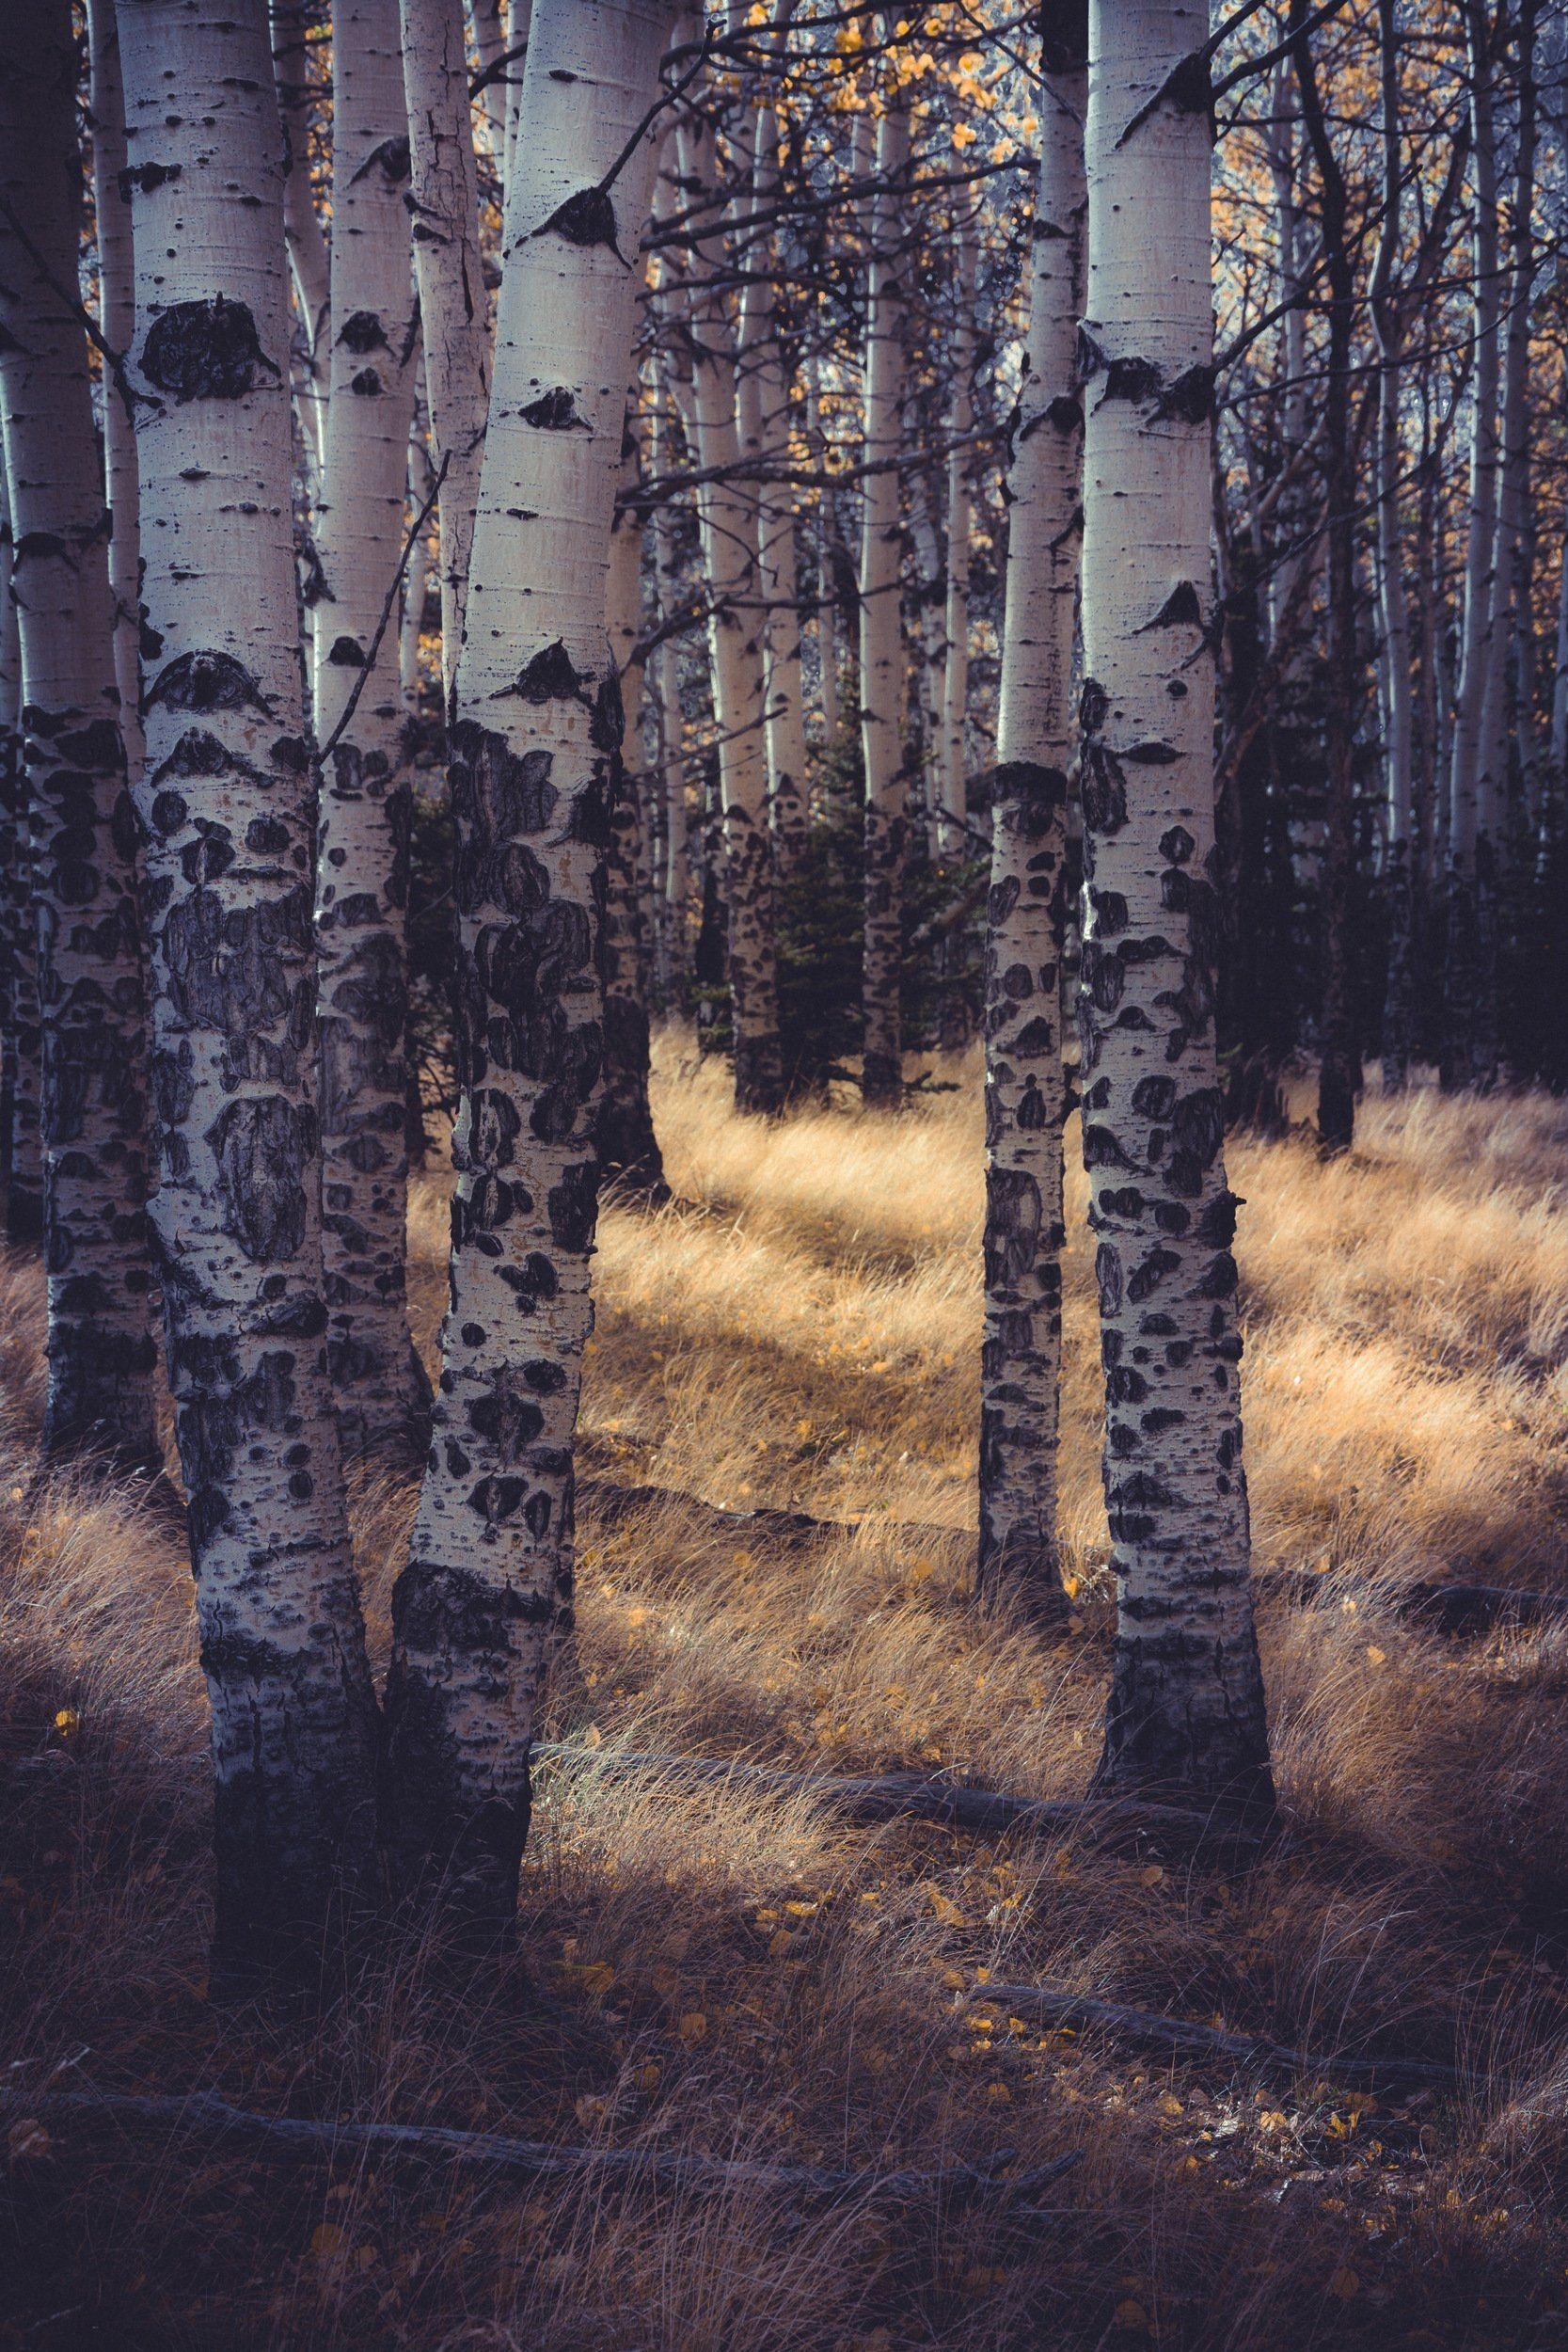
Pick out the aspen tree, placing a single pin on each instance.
(443, 198)
(310, 267)
(226, 808)
(764, 393)
(486, 1596)
(881, 634)
(117, 314)
(366, 805)
(627, 1148)
(727, 522)
(1393, 604)
(93, 1100)
(1187, 1703)
(21, 1166)
(955, 676)
(1025, 1074)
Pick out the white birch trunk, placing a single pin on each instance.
(626, 1146)
(225, 810)
(1186, 1704)
(828, 655)
(1025, 916)
(101, 1352)
(1468, 785)
(486, 1596)
(117, 318)
(955, 700)
(727, 522)
(307, 257)
(366, 807)
(1394, 654)
(444, 199)
(765, 407)
(518, 17)
(881, 634)
(20, 1165)
(489, 22)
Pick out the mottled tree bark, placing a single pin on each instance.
(727, 520)
(227, 811)
(292, 47)
(953, 764)
(366, 805)
(627, 1147)
(21, 1164)
(1394, 610)
(1186, 1704)
(881, 634)
(765, 419)
(101, 1352)
(1025, 1072)
(1339, 1051)
(443, 197)
(486, 1596)
(117, 316)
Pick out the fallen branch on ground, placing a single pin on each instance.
(910, 1796)
(609, 1500)
(309, 2140)
(1176, 2037)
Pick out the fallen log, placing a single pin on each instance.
(309, 2141)
(1179, 2037)
(911, 1796)
(609, 1500)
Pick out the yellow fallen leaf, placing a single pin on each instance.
(1375, 1656)
(591, 2110)
(647, 2076)
(327, 2240)
(693, 2027)
(1152, 1876)
(781, 1945)
(593, 1736)
(1131, 2314)
(944, 1908)
(1343, 2284)
(67, 1720)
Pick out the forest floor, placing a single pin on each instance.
(736, 1970)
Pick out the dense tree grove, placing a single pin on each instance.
(863, 531)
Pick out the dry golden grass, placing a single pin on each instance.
(736, 1972)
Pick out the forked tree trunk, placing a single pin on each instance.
(227, 812)
(20, 1167)
(366, 807)
(1186, 1704)
(486, 1596)
(101, 1351)
(726, 516)
(882, 635)
(444, 199)
(1025, 1072)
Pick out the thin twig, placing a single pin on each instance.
(414, 530)
(114, 360)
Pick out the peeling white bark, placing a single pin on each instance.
(1186, 1705)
